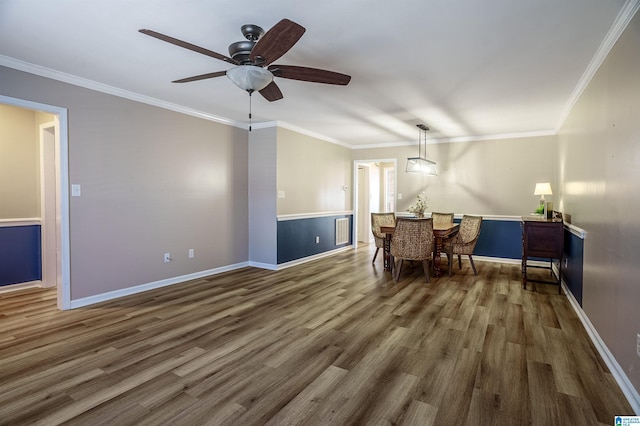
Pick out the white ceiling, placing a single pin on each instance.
(466, 68)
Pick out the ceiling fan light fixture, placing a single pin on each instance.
(250, 77)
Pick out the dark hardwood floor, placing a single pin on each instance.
(331, 342)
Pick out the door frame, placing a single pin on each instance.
(49, 202)
(63, 282)
(363, 182)
(357, 163)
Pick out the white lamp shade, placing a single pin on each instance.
(421, 166)
(250, 77)
(543, 188)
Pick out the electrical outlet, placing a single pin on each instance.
(638, 345)
(317, 240)
(167, 257)
(192, 253)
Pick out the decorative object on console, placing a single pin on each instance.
(420, 164)
(542, 189)
(420, 206)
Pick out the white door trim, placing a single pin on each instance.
(49, 202)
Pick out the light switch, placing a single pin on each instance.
(280, 194)
(75, 190)
(399, 195)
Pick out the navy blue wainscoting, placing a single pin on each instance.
(20, 254)
(297, 237)
(574, 255)
(500, 238)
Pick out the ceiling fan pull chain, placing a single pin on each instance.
(250, 92)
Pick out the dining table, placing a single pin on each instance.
(441, 232)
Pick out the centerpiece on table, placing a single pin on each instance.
(420, 206)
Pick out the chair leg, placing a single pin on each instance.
(396, 273)
(425, 266)
(450, 256)
(473, 266)
(375, 255)
(459, 262)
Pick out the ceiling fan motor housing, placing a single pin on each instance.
(240, 50)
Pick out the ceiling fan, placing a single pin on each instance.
(254, 59)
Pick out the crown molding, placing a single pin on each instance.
(111, 90)
(619, 25)
(285, 125)
(457, 139)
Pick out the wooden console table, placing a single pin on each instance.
(542, 239)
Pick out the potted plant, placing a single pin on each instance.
(420, 206)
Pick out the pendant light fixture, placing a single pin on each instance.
(420, 164)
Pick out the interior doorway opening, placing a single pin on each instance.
(54, 197)
(376, 187)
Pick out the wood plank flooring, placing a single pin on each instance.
(330, 342)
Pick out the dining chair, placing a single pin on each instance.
(378, 220)
(464, 242)
(441, 218)
(412, 240)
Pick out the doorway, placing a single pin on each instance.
(375, 183)
(54, 201)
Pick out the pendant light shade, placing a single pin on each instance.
(250, 77)
(420, 164)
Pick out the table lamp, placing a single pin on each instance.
(542, 189)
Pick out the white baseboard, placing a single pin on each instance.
(496, 259)
(262, 265)
(20, 286)
(618, 373)
(86, 301)
(313, 257)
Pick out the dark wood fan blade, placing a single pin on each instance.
(276, 42)
(313, 75)
(189, 46)
(200, 77)
(271, 92)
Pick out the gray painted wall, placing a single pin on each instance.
(263, 229)
(153, 181)
(599, 173)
